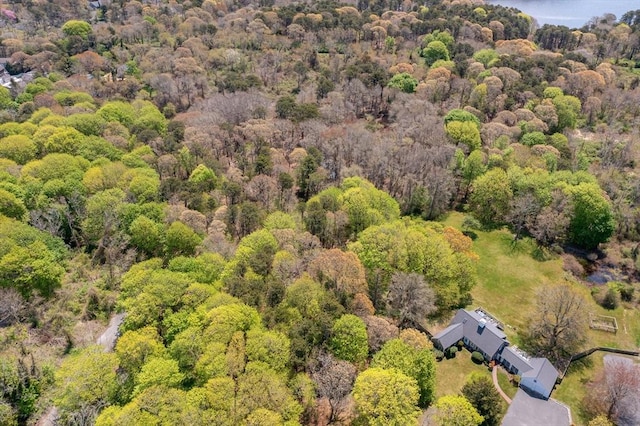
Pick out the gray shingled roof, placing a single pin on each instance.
(449, 336)
(516, 360)
(481, 332)
(543, 372)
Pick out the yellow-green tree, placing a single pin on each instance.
(86, 381)
(453, 410)
(386, 398)
(418, 364)
(349, 339)
(491, 197)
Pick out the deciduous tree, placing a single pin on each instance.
(614, 394)
(404, 82)
(86, 382)
(410, 298)
(434, 51)
(418, 364)
(158, 372)
(481, 393)
(340, 271)
(31, 269)
(491, 196)
(349, 339)
(456, 411)
(558, 326)
(386, 398)
(181, 240)
(334, 380)
(134, 348)
(592, 221)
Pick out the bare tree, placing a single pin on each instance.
(379, 331)
(550, 225)
(615, 392)
(410, 298)
(524, 210)
(13, 306)
(334, 379)
(559, 324)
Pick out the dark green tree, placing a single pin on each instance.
(305, 171)
(592, 222)
(481, 393)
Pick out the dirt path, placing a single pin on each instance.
(108, 341)
(494, 374)
(50, 418)
(110, 335)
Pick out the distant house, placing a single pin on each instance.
(481, 332)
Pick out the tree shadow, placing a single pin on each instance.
(541, 254)
(515, 246)
(585, 363)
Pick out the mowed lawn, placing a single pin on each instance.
(509, 278)
(451, 374)
(508, 275)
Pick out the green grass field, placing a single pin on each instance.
(509, 278)
(508, 275)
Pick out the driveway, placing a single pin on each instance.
(526, 410)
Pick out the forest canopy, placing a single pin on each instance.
(260, 188)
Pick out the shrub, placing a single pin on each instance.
(515, 379)
(470, 234)
(451, 352)
(460, 344)
(439, 355)
(610, 299)
(533, 138)
(477, 357)
(471, 223)
(626, 293)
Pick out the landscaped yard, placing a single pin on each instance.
(451, 374)
(503, 380)
(508, 280)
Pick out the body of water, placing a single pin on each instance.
(572, 13)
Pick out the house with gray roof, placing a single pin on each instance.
(449, 336)
(477, 330)
(515, 361)
(483, 333)
(541, 379)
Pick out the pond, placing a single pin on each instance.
(572, 13)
